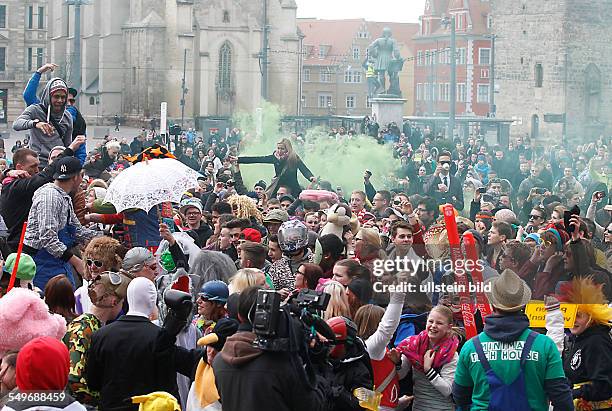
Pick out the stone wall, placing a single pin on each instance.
(564, 37)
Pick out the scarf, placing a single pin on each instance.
(416, 346)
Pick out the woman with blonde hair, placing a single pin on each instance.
(246, 277)
(338, 303)
(286, 164)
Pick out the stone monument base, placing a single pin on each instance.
(387, 109)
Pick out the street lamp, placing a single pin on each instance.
(446, 22)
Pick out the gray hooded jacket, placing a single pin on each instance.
(39, 141)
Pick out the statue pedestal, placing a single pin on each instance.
(388, 109)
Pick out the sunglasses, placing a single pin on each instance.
(97, 263)
(533, 217)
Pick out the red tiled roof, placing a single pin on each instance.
(339, 35)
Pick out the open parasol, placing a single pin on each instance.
(151, 182)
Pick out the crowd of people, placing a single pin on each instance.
(120, 310)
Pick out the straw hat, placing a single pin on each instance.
(508, 292)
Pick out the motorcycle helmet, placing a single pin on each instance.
(292, 236)
(345, 331)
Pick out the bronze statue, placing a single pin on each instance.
(386, 59)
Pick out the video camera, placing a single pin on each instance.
(291, 326)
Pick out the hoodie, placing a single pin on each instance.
(249, 378)
(62, 123)
(79, 124)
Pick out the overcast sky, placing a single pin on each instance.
(404, 11)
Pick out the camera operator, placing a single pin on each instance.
(250, 378)
(351, 364)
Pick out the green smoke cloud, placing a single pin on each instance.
(340, 162)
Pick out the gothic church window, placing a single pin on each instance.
(225, 67)
(226, 16)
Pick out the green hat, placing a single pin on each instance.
(26, 269)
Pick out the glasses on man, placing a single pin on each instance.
(193, 214)
(534, 217)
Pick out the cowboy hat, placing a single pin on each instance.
(508, 292)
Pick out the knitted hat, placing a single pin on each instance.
(26, 269)
(362, 289)
(261, 184)
(57, 85)
(506, 215)
(42, 364)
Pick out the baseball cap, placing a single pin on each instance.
(276, 215)
(66, 168)
(135, 258)
(214, 290)
(286, 197)
(251, 234)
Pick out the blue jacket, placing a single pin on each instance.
(30, 97)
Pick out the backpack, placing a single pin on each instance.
(409, 325)
(515, 393)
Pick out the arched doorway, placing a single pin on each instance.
(535, 126)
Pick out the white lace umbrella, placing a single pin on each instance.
(152, 182)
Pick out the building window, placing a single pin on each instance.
(2, 16)
(356, 53)
(30, 61)
(306, 74)
(459, 21)
(326, 75)
(2, 58)
(484, 57)
(427, 91)
(444, 91)
(133, 75)
(461, 55)
(323, 51)
(41, 17)
(427, 58)
(419, 58)
(539, 75)
(92, 101)
(461, 93)
(350, 101)
(226, 17)
(352, 76)
(434, 92)
(225, 67)
(489, 21)
(484, 73)
(325, 100)
(363, 34)
(30, 17)
(368, 103)
(419, 91)
(39, 57)
(483, 93)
